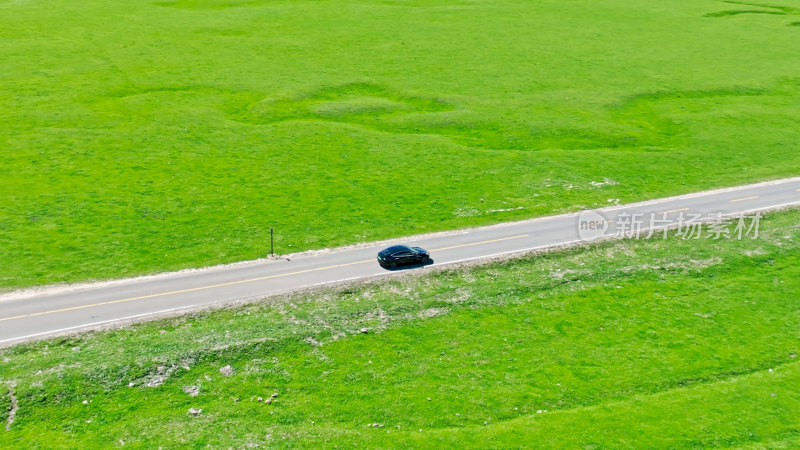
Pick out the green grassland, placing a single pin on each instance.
(654, 344)
(141, 136)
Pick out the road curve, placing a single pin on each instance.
(30, 316)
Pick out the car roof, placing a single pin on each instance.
(398, 248)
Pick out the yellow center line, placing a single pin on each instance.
(479, 243)
(746, 198)
(182, 291)
(674, 211)
(231, 283)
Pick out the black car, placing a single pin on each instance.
(401, 255)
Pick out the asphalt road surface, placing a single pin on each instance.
(33, 315)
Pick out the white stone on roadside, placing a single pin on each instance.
(193, 391)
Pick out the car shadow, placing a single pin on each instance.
(408, 267)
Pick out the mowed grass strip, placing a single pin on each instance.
(657, 343)
(143, 136)
(726, 413)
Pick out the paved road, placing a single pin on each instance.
(25, 316)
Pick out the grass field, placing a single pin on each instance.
(653, 344)
(141, 136)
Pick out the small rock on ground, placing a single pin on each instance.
(191, 390)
